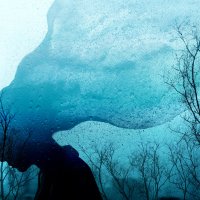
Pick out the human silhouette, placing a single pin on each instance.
(63, 174)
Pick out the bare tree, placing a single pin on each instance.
(186, 168)
(185, 155)
(96, 159)
(187, 79)
(120, 175)
(103, 161)
(5, 121)
(143, 176)
(151, 169)
(11, 181)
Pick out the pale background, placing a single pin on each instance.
(23, 25)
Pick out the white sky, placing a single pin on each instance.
(23, 26)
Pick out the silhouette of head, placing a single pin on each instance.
(75, 76)
(15, 155)
(45, 154)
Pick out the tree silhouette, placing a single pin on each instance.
(186, 81)
(12, 182)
